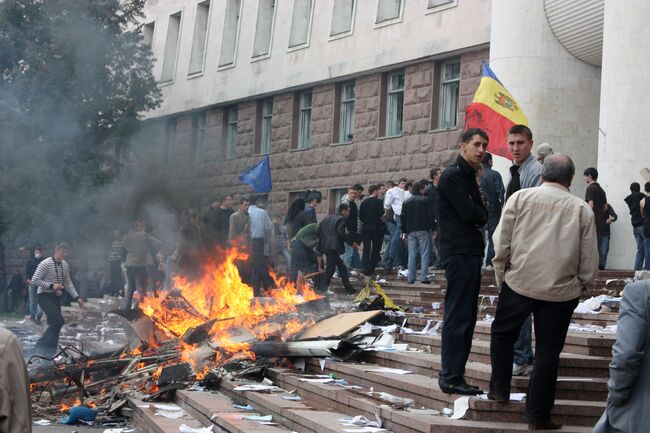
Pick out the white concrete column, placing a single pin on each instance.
(623, 148)
(558, 93)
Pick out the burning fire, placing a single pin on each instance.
(219, 294)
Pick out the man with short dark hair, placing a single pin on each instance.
(525, 172)
(393, 207)
(261, 229)
(633, 202)
(492, 186)
(597, 199)
(534, 229)
(462, 214)
(52, 277)
(417, 223)
(219, 221)
(332, 236)
(351, 256)
(372, 229)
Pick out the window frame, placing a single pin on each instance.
(200, 72)
(389, 93)
(260, 128)
(441, 7)
(258, 57)
(389, 21)
(199, 131)
(310, 22)
(221, 66)
(165, 82)
(302, 109)
(171, 130)
(441, 92)
(335, 36)
(343, 102)
(149, 40)
(231, 131)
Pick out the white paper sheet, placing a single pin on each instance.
(388, 370)
(168, 407)
(255, 387)
(185, 429)
(43, 422)
(460, 407)
(260, 418)
(170, 414)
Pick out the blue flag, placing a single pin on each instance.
(258, 176)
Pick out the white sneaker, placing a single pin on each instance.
(336, 275)
(489, 268)
(521, 370)
(354, 273)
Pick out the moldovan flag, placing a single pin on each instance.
(494, 110)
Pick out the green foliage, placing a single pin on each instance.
(75, 79)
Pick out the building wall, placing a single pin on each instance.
(419, 33)
(559, 93)
(622, 147)
(326, 165)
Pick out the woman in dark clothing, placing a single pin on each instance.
(296, 218)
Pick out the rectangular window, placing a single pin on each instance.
(346, 129)
(147, 33)
(304, 120)
(266, 126)
(394, 103)
(171, 47)
(388, 10)
(200, 37)
(449, 89)
(300, 22)
(342, 17)
(435, 3)
(231, 133)
(198, 136)
(264, 27)
(335, 197)
(170, 141)
(230, 32)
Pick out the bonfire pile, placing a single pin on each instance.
(195, 335)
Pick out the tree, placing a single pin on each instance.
(75, 80)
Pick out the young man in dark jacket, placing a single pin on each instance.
(462, 214)
(417, 223)
(332, 237)
(372, 228)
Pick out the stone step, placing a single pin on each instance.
(357, 402)
(581, 343)
(571, 365)
(145, 419)
(476, 373)
(425, 391)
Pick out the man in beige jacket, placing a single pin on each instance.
(546, 255)
(15, 403)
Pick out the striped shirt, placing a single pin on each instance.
(50, 272)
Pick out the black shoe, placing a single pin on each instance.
(426, 282)
(462, 389)
(350, 291)
(545, 425)
(498, 397)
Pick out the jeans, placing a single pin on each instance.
(137, 279)
(34, 309)
(418, 242)
(646, 247)
(397, 258)
(640, 253)
(303, 259)
(351, 258)
(463, 274)
(373, 236)
(603, 250)
(523, 354)
(388, 239)
(51, 305)
(551, 325)
(493, 222)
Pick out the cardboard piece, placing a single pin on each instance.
(337, 326)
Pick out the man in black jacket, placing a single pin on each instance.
(372, 229)
(417, 223)
(462, 214)
(332, 237)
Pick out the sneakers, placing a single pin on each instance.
(521, 370)
(489, 268)
(336, 275)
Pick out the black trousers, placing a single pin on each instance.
(137, 278)
(51, 306)
(373, 237)
(333, 261)
(551, 325)
(260, 277)
(463, 274)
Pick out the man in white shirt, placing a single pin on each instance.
(393, 201)
(261, 245)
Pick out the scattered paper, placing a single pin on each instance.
(291, 397)
(322, 362)
(43, 422)
(515, 396)
(196, 387)
(260, 418)
(360, 420)
(168, 407)
(317, 380)
(255, 387)
(460, 407)
(170, 414)
(388, 370)
(364, 430)
(243, 407)
(185, 429)
(118, 430)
